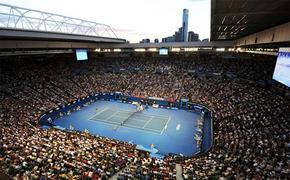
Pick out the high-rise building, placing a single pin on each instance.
(178, 35)
(192, 36)
(184, 25)
(169, 39)
(145, 41)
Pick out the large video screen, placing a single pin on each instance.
(163, 51)
(282, 68)
(82, 54)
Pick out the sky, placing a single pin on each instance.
(133, 20)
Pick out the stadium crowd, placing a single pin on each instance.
(251, 122)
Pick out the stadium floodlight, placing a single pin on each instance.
(12, 17)
(140, 50)
(175, 49)
(152, 49)
(117, 50)
(190, 49)
(220, 49)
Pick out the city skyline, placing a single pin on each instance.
(132, 20)
(182, 34)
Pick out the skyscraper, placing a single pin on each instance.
(178, 35)
(192, 37)
(184, 34)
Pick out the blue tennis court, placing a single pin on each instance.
(140, 120)
(171, 131)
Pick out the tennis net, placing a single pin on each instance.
(125, 120)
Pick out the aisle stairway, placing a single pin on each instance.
(178, 172)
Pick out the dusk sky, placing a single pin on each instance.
(132, 19)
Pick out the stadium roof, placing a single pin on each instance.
(233, 19)
(22, 23)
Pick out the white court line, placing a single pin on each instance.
(123, 110)
(111, 115)
(156, 115)
(98, 113)
(104, 121)
(155, 131)
(134, 119)
(148, 122)
(144, 114)
(140, 120)
(129, 126)
(144, 129)
(165, 125)
(168, 121)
